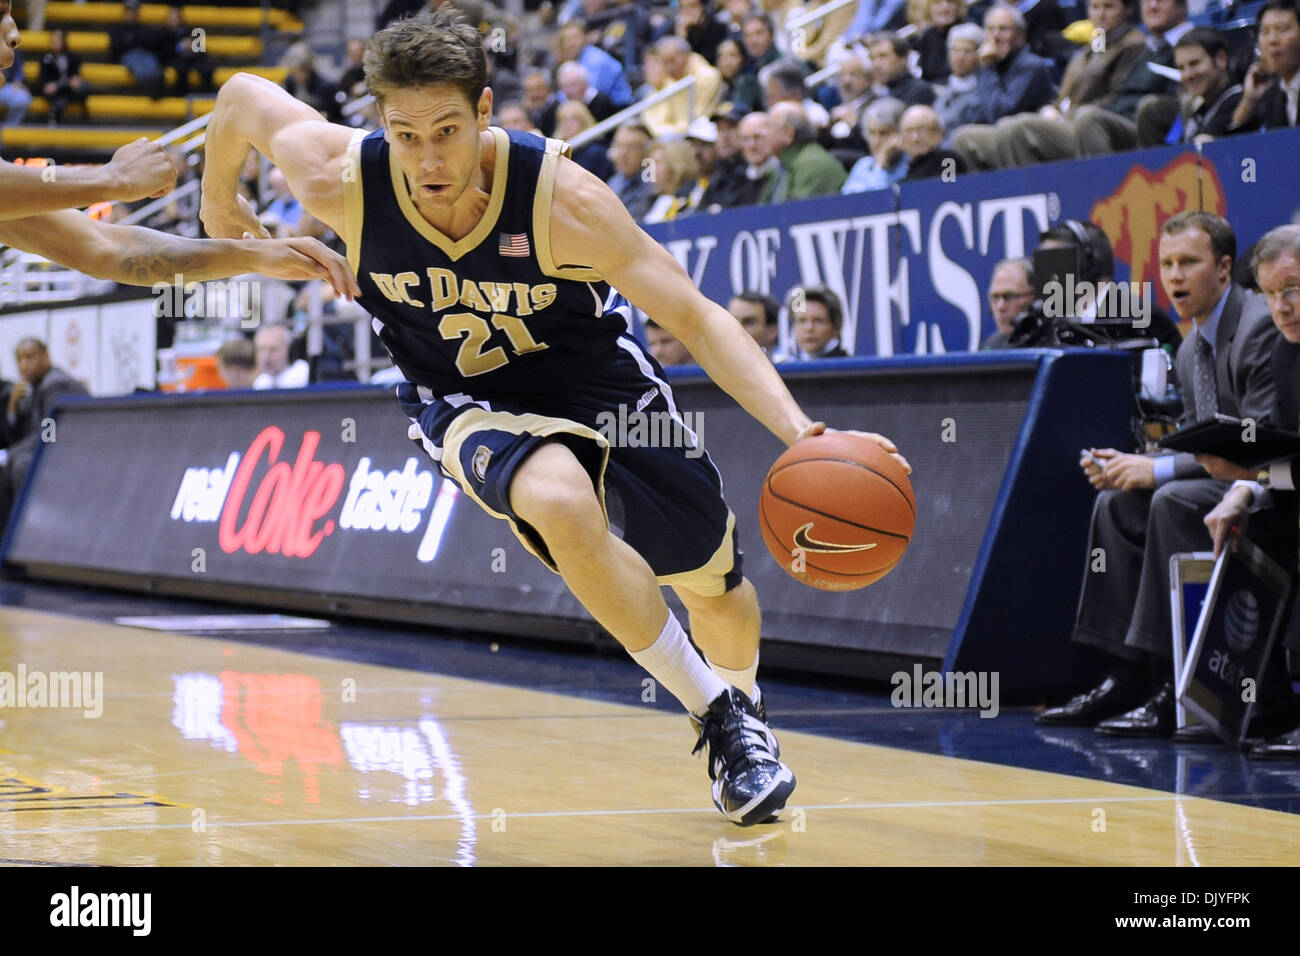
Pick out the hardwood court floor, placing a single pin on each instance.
(212, 752)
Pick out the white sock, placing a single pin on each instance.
(742, 679)
(672, 661)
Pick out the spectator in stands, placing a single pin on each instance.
(571, 119)
(1153, 507)
(272, 343)
(876, 17)
(782, 82)
(1209, 95)
(181, 55)
(505, 83)
(665, 347)
(31, 400)
(396, 10)
(61, 81)
(807, 170)
(237, 363)
(14, 95)
(961, 90)
(889, 64)
(575, 87)
(932, 42)
(284, 211)
(1272, 86)
(540, 100)
(1145, 104)
(696, 24)
(728, 186)
(673, 179)
(1094, 75)
(604, 72)
(1011, 293)
(512, 115)
(138, 48)
(674, 114)
(702, 137)
(855, 92)
(760, 42)
(352, 82)
(887, 162)
(733, 15)
(922, 135)
(739, 87)
(1011, 81)
(304, 83)
(760, 316)
(817, 317)
(762, 169)
(628, 154)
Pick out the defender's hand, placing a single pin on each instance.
(301, 257)
(819, 428)
(141, 169)
(227, 222)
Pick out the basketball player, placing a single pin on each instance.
(36, 219)
(490, 262)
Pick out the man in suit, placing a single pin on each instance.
(1152, 507)
(1272, 87)
(1268, 496)
(31, 400)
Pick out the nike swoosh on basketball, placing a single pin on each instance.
(804, 540)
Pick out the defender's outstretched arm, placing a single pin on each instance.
(137, 170)
(139, 256)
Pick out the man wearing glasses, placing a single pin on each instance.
(1011, 291)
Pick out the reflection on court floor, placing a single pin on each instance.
(209, 752)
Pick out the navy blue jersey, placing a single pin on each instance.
(490, 313)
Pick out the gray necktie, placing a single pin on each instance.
(1207, 389)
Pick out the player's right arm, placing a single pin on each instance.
(137, 170)
(253, 111)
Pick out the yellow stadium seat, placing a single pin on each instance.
(36, 139)
(103, 75)
(36, 42)
(208, 17)
(170, 109)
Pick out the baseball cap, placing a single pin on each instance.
(703, 130)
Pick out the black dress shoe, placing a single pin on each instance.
(1196, 734)
(1155, 718)
(1285, 747)
(1107, 699)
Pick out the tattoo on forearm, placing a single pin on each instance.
(149, 257)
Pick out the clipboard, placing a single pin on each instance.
(1245, 443)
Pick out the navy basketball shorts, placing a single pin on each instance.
(658, 488)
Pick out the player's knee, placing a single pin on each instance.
(553, 493)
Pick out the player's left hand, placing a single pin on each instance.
(819, 428)
(301, 257)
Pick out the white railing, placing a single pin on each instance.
(598, 131)
(815, 14)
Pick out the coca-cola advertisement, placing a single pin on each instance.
(316, 500)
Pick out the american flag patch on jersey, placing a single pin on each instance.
(513, 244)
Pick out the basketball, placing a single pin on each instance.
(837, 512)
